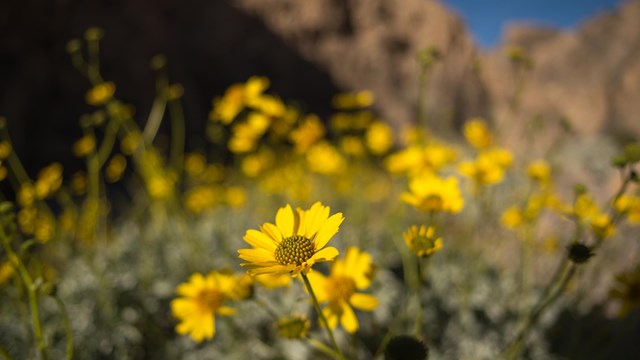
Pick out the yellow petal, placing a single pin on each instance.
(348, 319)
(328, 229)
(326, 254)
(272, 231)
(364, 301)
(319, 285)
(285, 221)
(256, 255)
(258, 239)
(314, 218)
(273, 269)
(332, 317)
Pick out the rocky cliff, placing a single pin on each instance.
(312, 49)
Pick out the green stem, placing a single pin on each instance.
(67, 326)
(323, 320)
(559, 283)
(418, 293)
(324, 348)
(32, 289)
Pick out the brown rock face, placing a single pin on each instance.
(590, 77)
(373, 45)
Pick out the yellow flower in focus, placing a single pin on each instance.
(422, 240)
(539, 171)
(200, 299)
(348, 101)
(84, 146)
(294, 244)
(379, 138)
(602, 226)
(477, 134)
(339, 289)
(512, 218)
(323, 158)
(100, 94)
(310, 131)
(429, 193)
(293, 327)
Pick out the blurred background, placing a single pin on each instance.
(585, 58)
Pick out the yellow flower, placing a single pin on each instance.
(235, 196)
(512, 218)
(585, 207)
(539, 171)
(84, 146)
(272, 281)
(100, 94)
(603, 226)
(482, 171)
(200, 299)
(347, 101)
(310, 131)
(629, 205)
(115, 168)
(422, 240)
(323, 158)
(339, 289)
(477, 134)
(6, 271)
(294, 244)
(194, 164)
(429, 192)
(226, 109)
(201, 198)
(294, 326)
(5, 149)
(352, 146)
(246, 134)
(49, 180)
(417, 159)
(379, 138)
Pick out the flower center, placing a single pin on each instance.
(433, 202)
(340, 288)
(209, 299)
(295, 249)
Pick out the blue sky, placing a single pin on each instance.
(486, 18)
